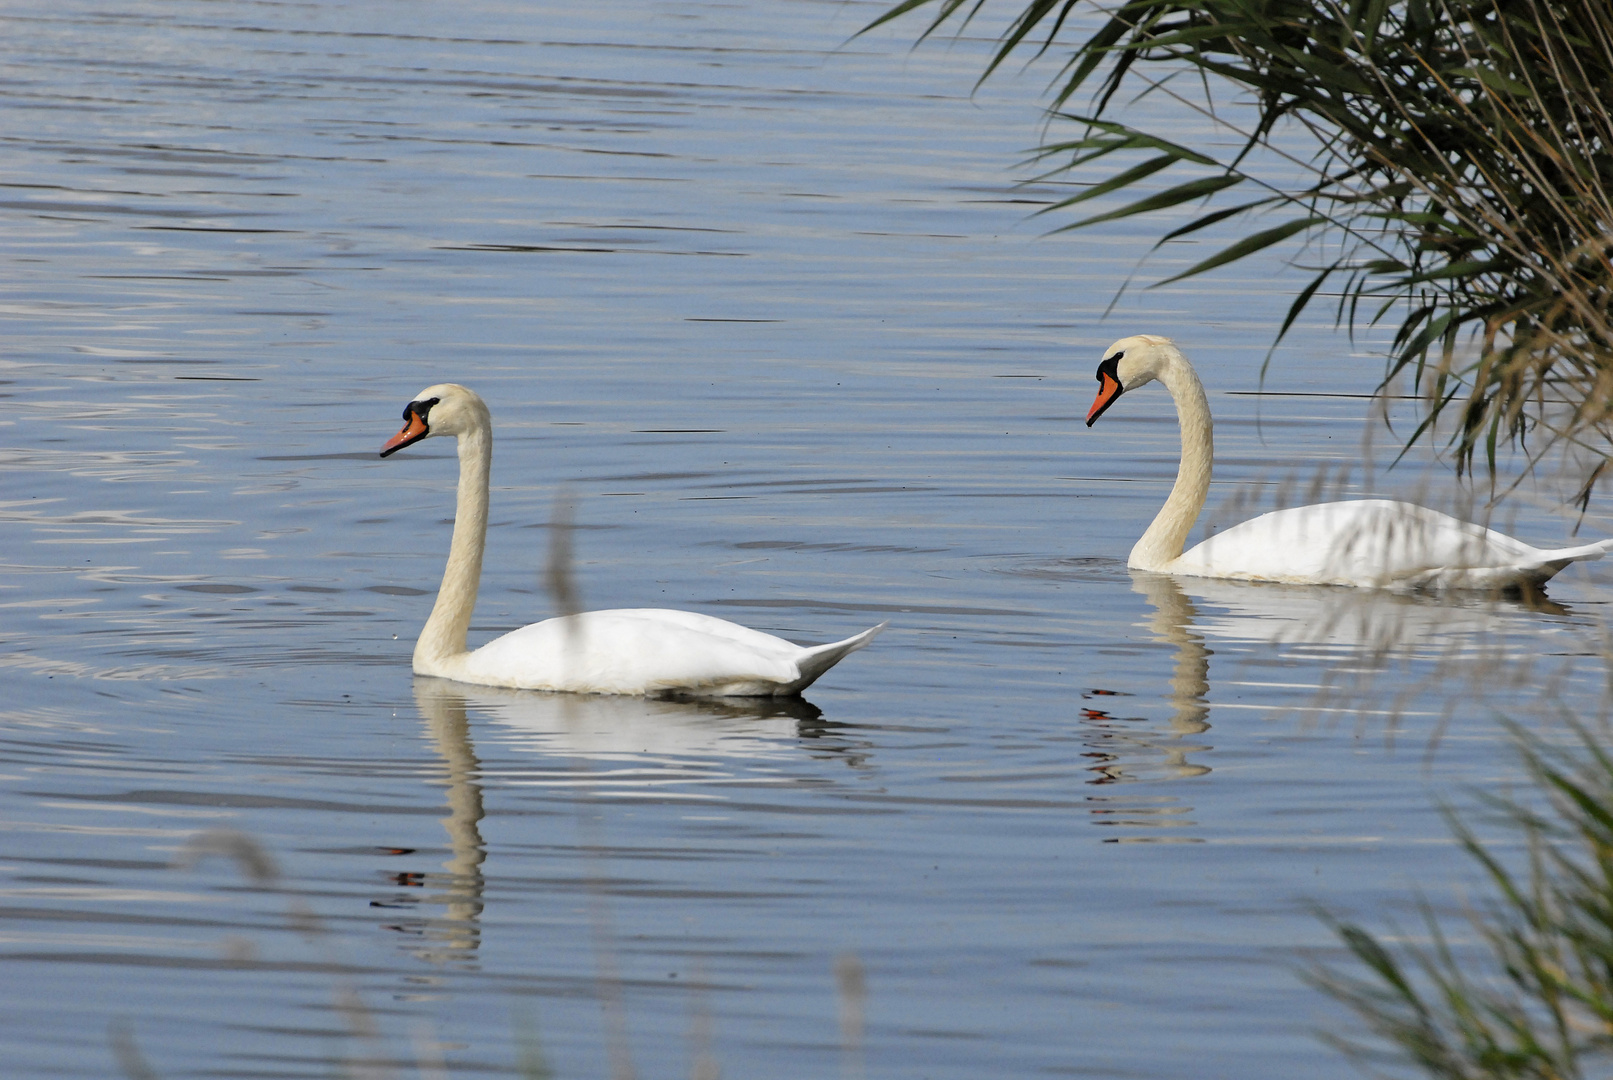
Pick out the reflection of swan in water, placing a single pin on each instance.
(1381, 622)
(456, 937)
(645, 732)
(631, 746)
(1190, 677)
(1363, 624)
(645, 743)
(1134, 748)
(1172, 623)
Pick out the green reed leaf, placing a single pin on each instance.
(1248, 246)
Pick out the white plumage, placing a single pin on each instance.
(648, 651)
(1375, 543)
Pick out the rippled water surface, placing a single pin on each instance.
(765, 306)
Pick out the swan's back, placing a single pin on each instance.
(1373, 542)
(646, 651)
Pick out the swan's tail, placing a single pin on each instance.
(1553, 561)
(821, 658)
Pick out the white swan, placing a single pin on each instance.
(1370, 542)
(625, 651)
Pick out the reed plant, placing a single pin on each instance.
(1451, 179)
(1529, 993)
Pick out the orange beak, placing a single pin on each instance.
(413, 431)
(1108, 390)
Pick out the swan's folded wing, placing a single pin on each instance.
(1373, 542)
(636, 651)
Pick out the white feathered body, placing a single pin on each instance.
(647, 651)
(1375, 543)
(643, 651)
(1372, 543)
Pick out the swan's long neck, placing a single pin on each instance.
(1163, 541)
(444, 635)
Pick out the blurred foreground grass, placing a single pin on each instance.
(1525, 988)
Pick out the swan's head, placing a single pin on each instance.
(1127, 364)
(444, 409)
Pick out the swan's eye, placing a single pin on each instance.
(419, 408)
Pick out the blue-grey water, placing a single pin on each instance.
(763, 303)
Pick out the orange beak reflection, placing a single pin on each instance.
(413, 431)
(1108, 390)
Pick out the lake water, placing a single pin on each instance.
(764, 304)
